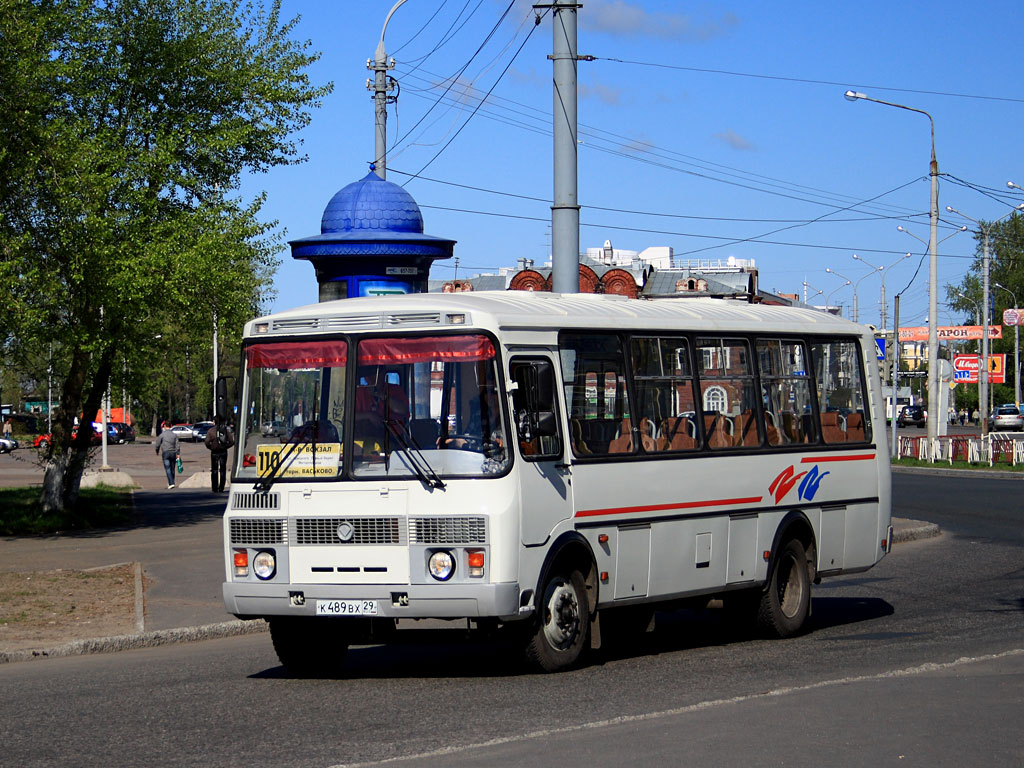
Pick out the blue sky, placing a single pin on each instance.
(730, 124)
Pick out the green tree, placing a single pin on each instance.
(127, 124)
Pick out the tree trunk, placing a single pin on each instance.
(52, 498)
(79, 458)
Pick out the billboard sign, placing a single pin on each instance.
(1013, 317)
(950, 332)
(965, 369)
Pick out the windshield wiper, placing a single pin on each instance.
(265, 483)
(417, 460)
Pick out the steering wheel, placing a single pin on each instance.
(469, 442)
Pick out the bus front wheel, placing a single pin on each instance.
(309, 647)
(786, 603)
(563, 624)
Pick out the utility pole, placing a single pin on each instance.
(381, 85)
(895, 367)
(565, 210)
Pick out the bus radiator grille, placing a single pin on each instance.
(258, 530)
(348, 530)
(447, 530)
(255, 501)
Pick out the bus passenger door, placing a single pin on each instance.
(544, 488)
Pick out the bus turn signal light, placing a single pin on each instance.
(241, 562)
(475, 561)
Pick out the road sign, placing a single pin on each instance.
(880, 343)
(1013, 317)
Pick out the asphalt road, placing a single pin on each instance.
(918, 662)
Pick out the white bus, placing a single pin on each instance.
(554, 464)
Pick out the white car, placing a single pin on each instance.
(184, 432)
(1006, 418)
(7, 444)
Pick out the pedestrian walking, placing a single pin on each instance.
(8, 427)
(169, 450)
(976, 417)
(219, 439)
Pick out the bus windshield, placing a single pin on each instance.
(420, 407)
(295, 397)
(427, 405)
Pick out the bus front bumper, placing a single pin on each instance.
(413, 601)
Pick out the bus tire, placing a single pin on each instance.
(786, 602)
(563, 623)
(308, 647)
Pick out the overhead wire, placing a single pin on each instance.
(848, 84)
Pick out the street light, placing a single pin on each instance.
(848, 282)
(829, 297)
(881, 304)
(816, 291)
(1016, 348)
(983, 378)
(856, 305)
(977, 309)
(934, 424)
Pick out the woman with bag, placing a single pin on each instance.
(167, 447)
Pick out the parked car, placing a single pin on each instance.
(273, 428)
(200, 429)
(912, 415)
(1006, 418)
(121, 432)
(42, 441)
(184, 432)
(7, 444)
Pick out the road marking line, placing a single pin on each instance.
(698, 707)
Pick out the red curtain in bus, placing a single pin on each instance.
(427, 349)
(297, 354)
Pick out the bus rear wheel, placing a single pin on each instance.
(310, 647)
(786, 603)
(563, 625)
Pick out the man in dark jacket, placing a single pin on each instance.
(219, 439)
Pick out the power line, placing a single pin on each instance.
(810, 81)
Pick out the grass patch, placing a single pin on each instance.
(999, 467)
(100, 507)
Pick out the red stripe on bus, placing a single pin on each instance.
(664, 507)
(842, 457)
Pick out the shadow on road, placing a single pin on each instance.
(455, 653)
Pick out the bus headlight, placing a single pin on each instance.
(264, 565)
(441, 565)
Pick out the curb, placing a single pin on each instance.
(912, 530)
(140, 640)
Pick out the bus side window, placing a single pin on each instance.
(534, 408)
(596, 398)
(841, 397)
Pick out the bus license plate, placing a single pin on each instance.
(346, 607)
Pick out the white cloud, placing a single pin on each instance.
(630, 19)
(734, 140)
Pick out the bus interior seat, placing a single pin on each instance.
(578, 443)
(677, 434)
(647, 435)
(855, 427)
(830, 429)
(715, 431)
(623, 443)
(746, 433)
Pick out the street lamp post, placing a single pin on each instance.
(934, 424)
(848, 282)
(874, 269)
(829, 297)
(882, 302)
(1016, 349)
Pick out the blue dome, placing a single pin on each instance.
(372, 204)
